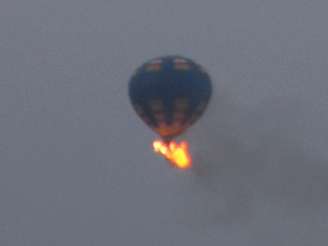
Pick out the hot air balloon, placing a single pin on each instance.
(169, 94)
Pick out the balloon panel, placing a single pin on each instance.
(169, 94)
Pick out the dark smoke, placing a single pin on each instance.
(259, 165)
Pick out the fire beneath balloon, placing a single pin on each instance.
(177, 153)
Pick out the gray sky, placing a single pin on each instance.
(76, 166)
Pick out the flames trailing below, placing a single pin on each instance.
(177, 153)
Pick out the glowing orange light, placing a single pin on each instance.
(177, 154)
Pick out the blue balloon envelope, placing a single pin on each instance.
(169, 94)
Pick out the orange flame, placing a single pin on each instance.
(177, 154)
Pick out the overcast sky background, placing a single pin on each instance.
(76, 167)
